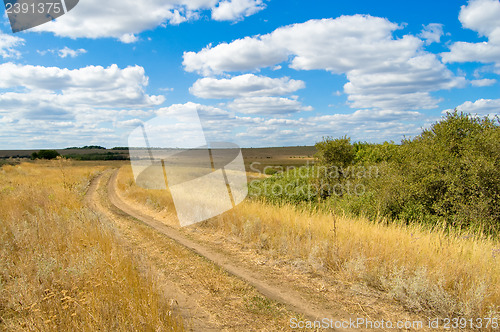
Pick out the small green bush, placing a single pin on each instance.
(335, 151)
(45, 154)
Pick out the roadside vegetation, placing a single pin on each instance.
(448, 177)
(61, 268)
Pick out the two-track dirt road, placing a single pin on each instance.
(209, 286)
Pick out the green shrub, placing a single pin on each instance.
(452, 171)
(45, 154)
(335, 152)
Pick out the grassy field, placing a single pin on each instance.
(61, 267)
(429, 273)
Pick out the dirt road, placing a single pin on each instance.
(208, 285)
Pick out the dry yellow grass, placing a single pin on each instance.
(430, 273)
(157, 201)
(60, 268)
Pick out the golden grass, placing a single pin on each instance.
(157, 201)
(60, 267)
(430, 273)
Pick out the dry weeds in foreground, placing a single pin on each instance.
(60, 268)
(429, 273)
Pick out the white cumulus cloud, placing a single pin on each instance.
(482, 16)
(483, 82)
(233, 10)
(8, 46)
(432, 33)
(267, 105)
(247, 85)
(66, 51)
(125, 19)
(240, 55)
(480, 106)
(336, 45)
(53, 90)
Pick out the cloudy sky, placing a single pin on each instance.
(259, 72)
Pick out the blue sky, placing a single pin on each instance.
(259, 72)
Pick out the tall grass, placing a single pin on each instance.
(60, 267)
(430, 272)
(158, 202)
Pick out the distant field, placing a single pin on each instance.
(258, 158)
(64, 152)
